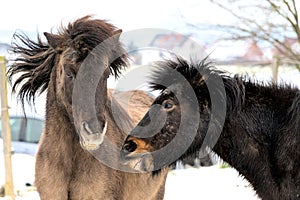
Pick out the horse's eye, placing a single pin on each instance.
(70, 75)
(167, 105)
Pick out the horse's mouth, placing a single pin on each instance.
(141, 162)
(92, 142)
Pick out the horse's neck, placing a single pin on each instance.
(246, 141)
(58, 122)
(246, 133)
(119, 118)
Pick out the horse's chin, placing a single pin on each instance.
(142, 162)
(93, 143)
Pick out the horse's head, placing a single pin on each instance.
(150, 145)
(165, 133)
(87, 57)
(180, 118)
(78, 60)
(157, 129)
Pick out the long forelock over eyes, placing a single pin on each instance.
(86, 34)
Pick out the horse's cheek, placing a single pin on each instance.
(68, 92)
(65, 93)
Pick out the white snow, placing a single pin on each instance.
(208, 183)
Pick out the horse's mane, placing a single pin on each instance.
(35, 64)
(36, 59)
(293, 117)
(198, 74)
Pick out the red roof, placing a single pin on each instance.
(169, 41)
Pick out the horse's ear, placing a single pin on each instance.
(53, 40)
(117, 34)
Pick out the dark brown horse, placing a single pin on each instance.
(253, 127)
(84, 122)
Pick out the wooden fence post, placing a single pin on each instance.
(9, 186)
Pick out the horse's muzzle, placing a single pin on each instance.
(90, 136)
(139, 161)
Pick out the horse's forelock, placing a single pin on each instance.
(199, 75)
(170, 71)
(86, 34)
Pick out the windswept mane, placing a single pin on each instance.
(35, 60)
(198, 75)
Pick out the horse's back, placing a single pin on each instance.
(135, 102)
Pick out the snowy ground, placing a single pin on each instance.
(208, 183)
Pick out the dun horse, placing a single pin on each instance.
(79, 60)
(259, 134)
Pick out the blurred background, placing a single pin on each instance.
(260, 38)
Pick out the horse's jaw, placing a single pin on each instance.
(92, 141)
(91, 145)
(140, 162)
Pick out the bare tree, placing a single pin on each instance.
(271, 21)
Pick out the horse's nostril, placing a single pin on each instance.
(130, 146)
(86, 127)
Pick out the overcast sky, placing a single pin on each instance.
(39, 16)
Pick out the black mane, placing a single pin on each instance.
(198, 75)
(37, 59)
(202, 73)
